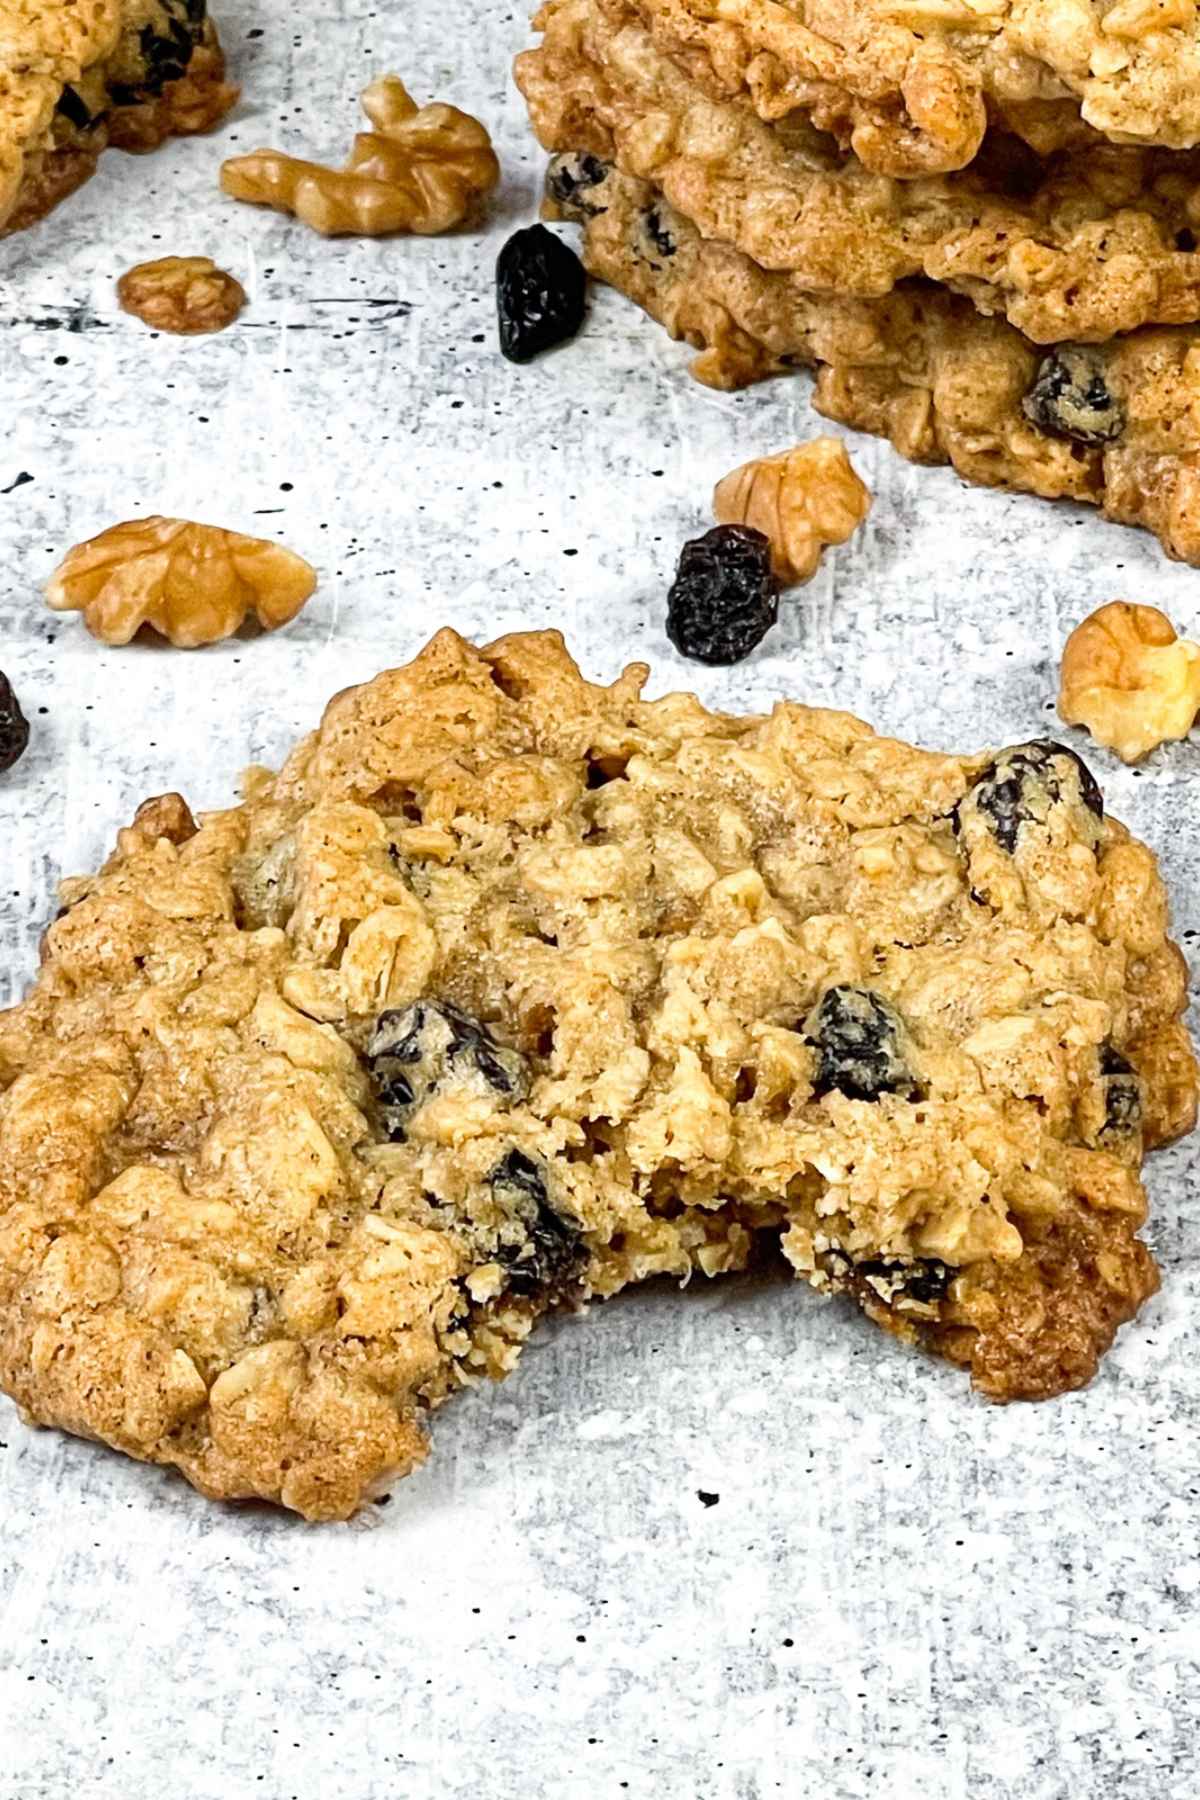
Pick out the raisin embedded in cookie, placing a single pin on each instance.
(1094, 242)
(74, 79)
(1114, 425)
(510, 990)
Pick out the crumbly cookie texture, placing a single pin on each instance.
(509, 990)
(1129, 679)
(909, 85)
(1114, 425)
(77, 78)
(419, 169)
(1081, 248)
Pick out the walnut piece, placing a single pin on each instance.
(420, 170)
(182, 294)
(801, 499)
(193, 583)
(1129, 680)
(165, 816)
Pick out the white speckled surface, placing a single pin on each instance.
(900, 1590)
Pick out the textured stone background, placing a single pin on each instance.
(899, 1590)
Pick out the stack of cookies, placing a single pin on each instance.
(978, 223)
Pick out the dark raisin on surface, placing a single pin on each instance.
(14, 726)
(569, 180)
(724, 598)
(858, 1038)
(548, 1250)
(414, 1050)
(1023, 783)
(541, 287)
(1070, 397)
(1122, 1094)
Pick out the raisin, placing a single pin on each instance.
(568, 180)
(724, 598)
(1023, 783)
(14, 726)
(74, 109)
(1070, 397)
(1007, 165)
(886, 1280)
(549, 1250)
(415, 1050)
(924, 1281)
(1122, 1094)
(540, 292)
(162, 53)
(657, 233)
(858, 1038)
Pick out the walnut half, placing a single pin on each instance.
(1129, 680)
(801, 500)
(181, 294)
(193, 583)
(420, 170)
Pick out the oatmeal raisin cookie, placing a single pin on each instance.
(509, 990)
(1113, 425)
(76, 78)
(910, 85)
(1088, 245)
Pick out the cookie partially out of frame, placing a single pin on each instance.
(910, 85)
(77, 78)
(1091, 244)
(1115, 425)
(509, 990)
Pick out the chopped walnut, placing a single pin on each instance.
(801, 500)
(165, 816)
(1129, 680)
(193, 583)
(420, 170)
(183, 294)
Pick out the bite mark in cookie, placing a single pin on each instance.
(510, 990)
